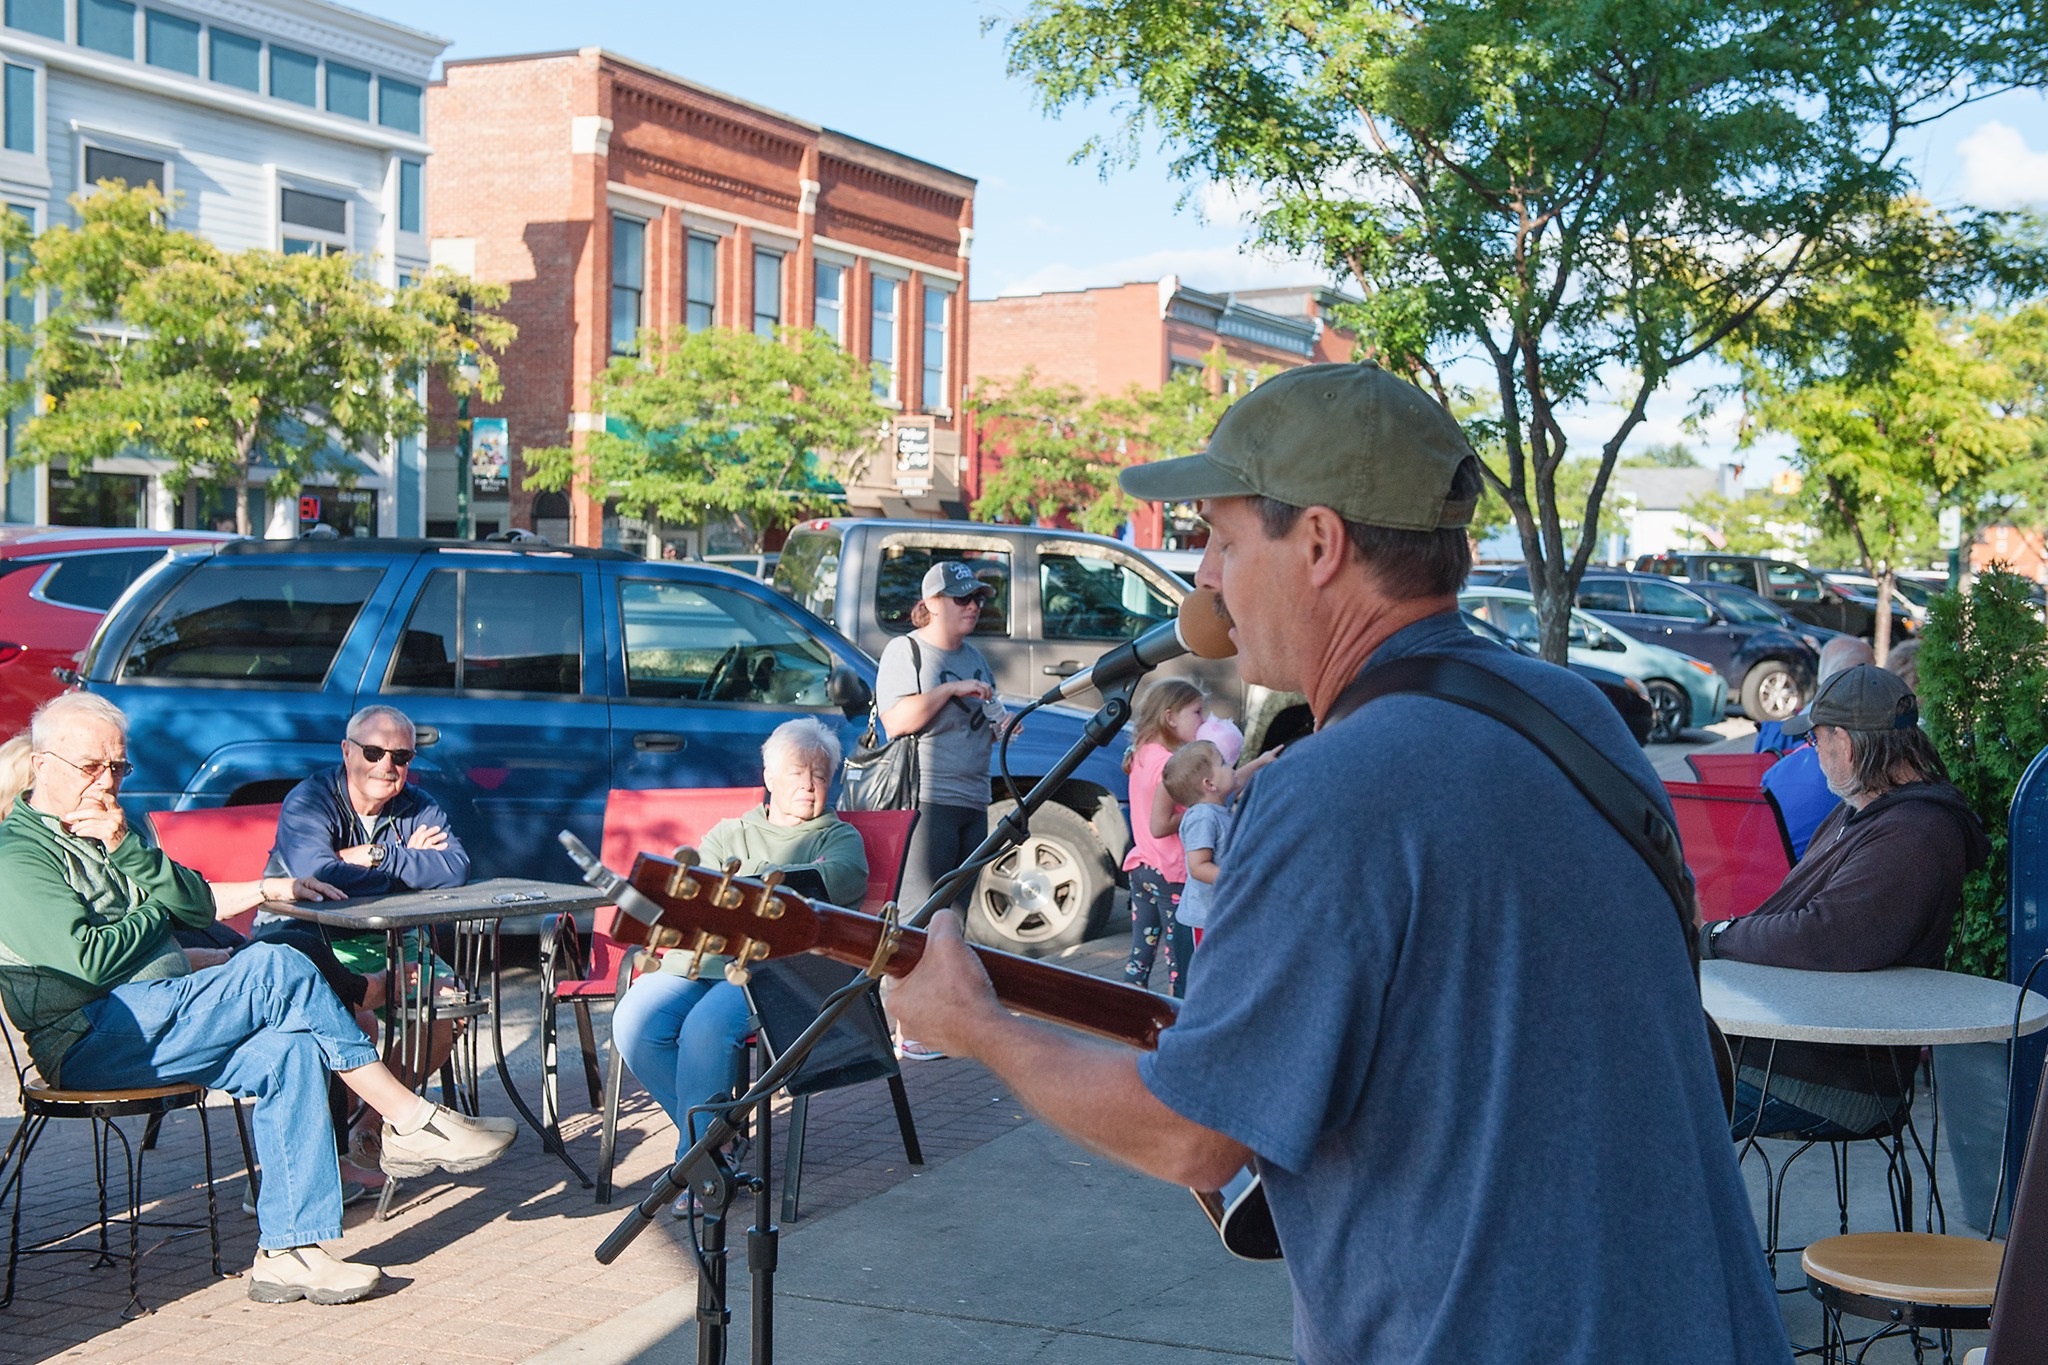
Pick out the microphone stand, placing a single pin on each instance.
(705, 1170)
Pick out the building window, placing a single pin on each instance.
(629, 281)
(313, 224)
(936, 301)
(170, 42)
(295, 76)
(831, 281)
(882, 335)
(409, 196)
(767, 292)
(107, 26)
(44, 18)
(398, 105)
(133, 171)
(702, 296)
(21, 109)
(234, 60)
(348, 91)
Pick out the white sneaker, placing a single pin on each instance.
(447, 1141)
(309, 1273)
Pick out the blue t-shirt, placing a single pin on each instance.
(1204, 825)
(1800, 788)
(1452, 1013)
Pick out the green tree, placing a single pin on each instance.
(157, 341)
(1753, 524)
(1565, 191)
(722, 423)
(1984, 695)
(1663, 455)
(1061, 448)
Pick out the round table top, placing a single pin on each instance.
(1897, 1007)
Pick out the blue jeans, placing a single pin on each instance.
(1781, 1117)
(263, 1026)
(681, 1039)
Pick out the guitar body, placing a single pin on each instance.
(709, 913)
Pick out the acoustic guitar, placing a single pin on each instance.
(706, 913)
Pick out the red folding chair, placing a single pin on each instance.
(885, 837)
(634, 822)
(1731, 770)
(1734, 843)
(223, 844)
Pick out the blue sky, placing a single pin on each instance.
(919, 76)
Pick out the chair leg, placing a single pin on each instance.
(912, 1151)
(31, 1129)
(212, 1203)
(793, 1158)
(608, 1137)
(588, 1034)
(99, 1171)
(248, 1152)
(131, 1162)
(150, 1130)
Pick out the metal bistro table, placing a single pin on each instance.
(1896, 1007)
(474, 913)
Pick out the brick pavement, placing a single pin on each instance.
(493, 1266)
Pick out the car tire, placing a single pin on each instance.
(1673, 707)
(1771, 691)
(1048, 894)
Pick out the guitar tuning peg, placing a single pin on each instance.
(736, 972)
(681, 884)
(769, 906)
(686, 854)
(725, 898)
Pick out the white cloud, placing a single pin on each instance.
(2000, 170)
(1215, 268)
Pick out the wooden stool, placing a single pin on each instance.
(1906, 1280)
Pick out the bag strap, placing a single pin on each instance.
(1626, 806)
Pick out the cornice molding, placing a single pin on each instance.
(329, 28)
(703, 179)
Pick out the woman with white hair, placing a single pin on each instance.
(682, 1037)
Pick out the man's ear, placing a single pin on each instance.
(1324, 543)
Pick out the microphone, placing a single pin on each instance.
(1201, 629)
(623, 893)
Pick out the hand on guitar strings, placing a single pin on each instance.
(945, 1002)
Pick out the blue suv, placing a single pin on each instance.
(540, 679)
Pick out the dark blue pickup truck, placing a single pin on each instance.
(540, 679)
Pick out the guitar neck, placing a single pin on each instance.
(1108, 1009)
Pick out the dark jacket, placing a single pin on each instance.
(317, 819)
(1878, 887)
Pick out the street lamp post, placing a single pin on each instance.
(469, 372)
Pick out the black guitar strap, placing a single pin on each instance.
(1612, 792)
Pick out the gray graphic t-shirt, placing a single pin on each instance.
(952, 752)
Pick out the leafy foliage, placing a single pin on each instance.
(722, 423)
(1754, 524)
(156, 340)
(1061, 449)
(1664, 455)
(1561, 190)
(1984, 694)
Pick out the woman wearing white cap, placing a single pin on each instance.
(933, 684)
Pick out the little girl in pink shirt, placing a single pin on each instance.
(1169, 711)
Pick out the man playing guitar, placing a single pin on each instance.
(1442, 1006)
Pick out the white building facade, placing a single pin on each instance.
(290, 125)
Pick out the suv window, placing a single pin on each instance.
(269, 623)
(1746, 610)
(693, 643)
(1739, 572)
(479, 631)
(1094, 597)
(1663, 599)
(1604, 594)
(94, 582)
(1790, 583)
(808, 572)
(902, 574)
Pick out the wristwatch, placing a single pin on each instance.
(1712, 937)
(378, 853)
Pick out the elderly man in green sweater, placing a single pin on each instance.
(91, 975)
(681, 1036)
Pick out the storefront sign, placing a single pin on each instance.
(914, 456)
(490, 457)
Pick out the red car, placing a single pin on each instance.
(56, 582)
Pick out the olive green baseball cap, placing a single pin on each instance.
(1368, 445)
(1865, 697)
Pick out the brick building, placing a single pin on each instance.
(1108, 339)
(611, 196)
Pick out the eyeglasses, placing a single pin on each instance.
(376, 753)
(94, 770)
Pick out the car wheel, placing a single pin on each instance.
(1049, 893)
(1673, 708)
(1771, 691)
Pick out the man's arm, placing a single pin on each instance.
(182, 893)
(1090, 1091)
(306, 844)
(46, 925)
(1868, 914)
(429, 869)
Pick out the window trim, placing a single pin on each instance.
(419, 168)
(690, 301)
(638, 290)
(127, 645)
(892, 392)
(121, 144)
(136, 40)
(200, 44)
(262, 86)
(418, 589)
(39, 133)
(924, 335)
(325, 189)
(318, 104)
(819, 264)
(780, 318)
(369, 114)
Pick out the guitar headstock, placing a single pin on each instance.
(708, 912)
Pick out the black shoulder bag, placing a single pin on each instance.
(1634, 815)
(878, 775)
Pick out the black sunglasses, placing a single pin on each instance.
(375, 753)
